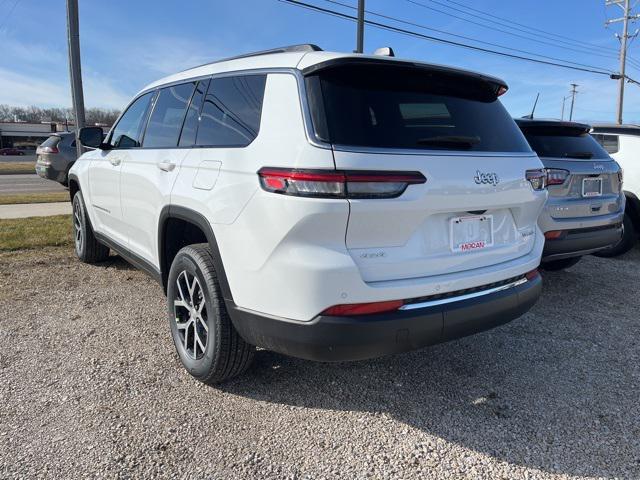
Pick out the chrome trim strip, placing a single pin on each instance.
(444, 301)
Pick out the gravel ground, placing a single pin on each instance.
(90, 386)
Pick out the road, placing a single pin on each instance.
(27, 183)
(91, 387)
(17, 158)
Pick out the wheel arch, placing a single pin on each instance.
(74, 185)
(633, 208)
(197, 220)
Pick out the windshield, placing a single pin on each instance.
(559, 144)
(409, 108)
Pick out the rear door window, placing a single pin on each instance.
(403, 107)
(168, 114)
(231, 112)
(128, 131)
(190, 127)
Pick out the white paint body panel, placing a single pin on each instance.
(294, 257)
(628, 156)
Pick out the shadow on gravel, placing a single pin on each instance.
(556, 390)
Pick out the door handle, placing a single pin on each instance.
(166, 166)
(115, 161)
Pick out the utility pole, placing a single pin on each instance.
(627, 15)
(573, 99)
(564, 99)
(73, 37)
(360, 32)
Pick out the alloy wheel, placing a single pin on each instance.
(77, 227)
(190, 313)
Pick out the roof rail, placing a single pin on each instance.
(303, 47)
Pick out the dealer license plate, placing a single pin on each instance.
(592, 187)
(471, 233)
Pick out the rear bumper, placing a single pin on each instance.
(582, 241)
(329, 338)
(49, 172)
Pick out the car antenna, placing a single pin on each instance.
(534, 107)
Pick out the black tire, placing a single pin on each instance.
(223, 354)
(556, 265)
(626, 243)
(88, 249)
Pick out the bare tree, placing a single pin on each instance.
(102, 116)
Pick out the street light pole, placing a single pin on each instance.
(360, 32)
(75, 73)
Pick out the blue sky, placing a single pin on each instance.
(127, 44)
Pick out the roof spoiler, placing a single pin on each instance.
(498, 86)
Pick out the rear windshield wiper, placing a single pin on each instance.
(458, 141)
(578, 155)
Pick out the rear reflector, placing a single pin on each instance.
(553, 234)
(532, 274)
(363, 308)
(336, 183)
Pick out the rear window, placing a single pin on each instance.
(52, 141)
(610, 143)
(559, 143)
(409, 108)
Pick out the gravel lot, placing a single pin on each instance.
(91, 387)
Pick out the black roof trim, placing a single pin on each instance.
(302, 47)
(620, 129)
(560, 124)
(337, 62)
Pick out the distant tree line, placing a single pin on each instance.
(37, 114)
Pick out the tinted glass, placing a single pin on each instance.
(610, 143)
(52, 141)
(556, 143)
(231, 112)
(190, 127)
(404, 107)
(128, 131)
(168, 114)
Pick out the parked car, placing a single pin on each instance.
(55, 157)
(11, 151)
(622, 142)
(585, 209)
(322, 205)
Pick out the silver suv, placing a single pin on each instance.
(585, 208)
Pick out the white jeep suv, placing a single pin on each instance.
(326, 206)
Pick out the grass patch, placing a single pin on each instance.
(35, 232)
(9, 168)
(34, 198)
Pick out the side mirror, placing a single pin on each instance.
(91, 137)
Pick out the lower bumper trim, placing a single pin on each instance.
(330, 338)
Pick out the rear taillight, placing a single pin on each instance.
(363, 308)
(337, 184)
(556, 176)
(620, 178)
(537, 179)
(41, 150)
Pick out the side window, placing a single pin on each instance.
(231, 112)
(128, 131)
(611, 143)
(167, 116)
(190, 127)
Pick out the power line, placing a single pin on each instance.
(6, 19)
(405, 22)
(411, 33)
(528, 27)
(490, 27)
